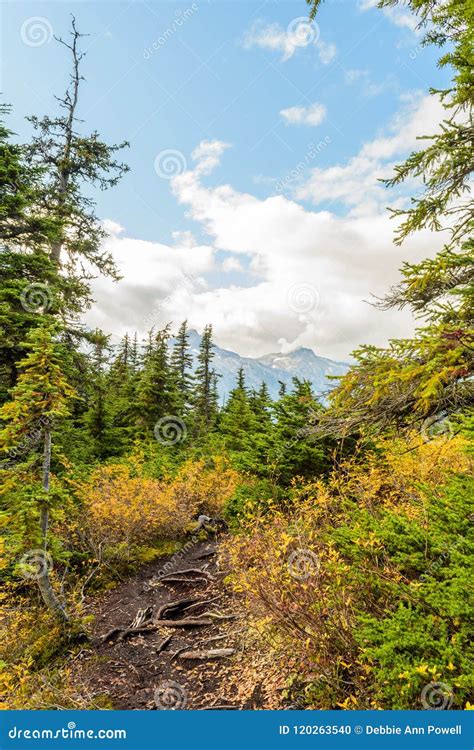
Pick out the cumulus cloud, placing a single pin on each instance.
(356, 183)
(207, 155)
(366, 86)
(399, 16)
(300, 33)
(312, 115)
(289, 252)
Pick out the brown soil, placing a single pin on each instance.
(131, 675)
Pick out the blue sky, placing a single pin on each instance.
(307, 118)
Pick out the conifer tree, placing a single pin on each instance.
(70, 164)
(205, 406)
(39, 399)
(429, 376)
(296, 451)
(181, 362)
(156, 396)
(97, 417)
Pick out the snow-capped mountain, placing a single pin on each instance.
(271, 369)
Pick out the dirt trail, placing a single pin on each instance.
(133, 673)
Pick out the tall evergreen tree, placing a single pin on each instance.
(70, 164)
(429, 376)
(156, 395)
(205, 407)
(39, 399)
(181, 362)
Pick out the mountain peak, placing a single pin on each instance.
(272, 368)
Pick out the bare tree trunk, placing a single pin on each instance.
(44, 582)
(69, 102)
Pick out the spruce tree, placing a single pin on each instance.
(205, 406)
(156, 396)
(39, 399)
(181, 363)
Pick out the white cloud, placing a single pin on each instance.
(366, 86)
(357, 182)
(231, 264)
(399, 16)
(282, 246)
(312, 115)
(327, 51)
(288, 41)
(207, 155)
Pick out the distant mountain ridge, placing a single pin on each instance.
(271, 368)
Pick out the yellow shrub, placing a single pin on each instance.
(120, 510)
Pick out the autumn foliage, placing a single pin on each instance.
(357, 584)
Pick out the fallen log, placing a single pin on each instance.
(187, 571)
(185, 580)
(213, 653)
(189, 622)
(163, 644)
(175, 606)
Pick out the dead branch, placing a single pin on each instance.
(175, 607)
(186, 572)
(215, 653)
(163, 644)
